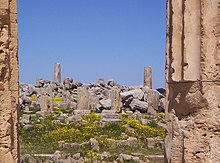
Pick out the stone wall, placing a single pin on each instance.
(8, 82)
(193, 81)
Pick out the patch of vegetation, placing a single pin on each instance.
(44, 135)
(113, 130)
(160, 117)
(152, 123)
(143, 131)
(91, 117)
(57, 110)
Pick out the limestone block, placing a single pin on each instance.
(4, 58)
(14, 30)
(93, 101)
(13, 17)
(151, 142)
(136, 93)
(192, 75)
(94, 144)
(101, 81)
(141, 106)
(209, 51)
(4, 4)
(192, 40)
(82, 98)
(81, 112)
(148, 77)
(13, 6)
(68, 83)
(105, 104)
(8, 120)
(152, 97)
(45, 99)
(109, 116)
(13, 84)
(57, 73)
(116, 100)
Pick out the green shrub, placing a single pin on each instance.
(152, 123)
(113, 130)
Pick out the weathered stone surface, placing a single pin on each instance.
(155, 158)
(57, 73)
(152, 97)
(139, 105)
(56, 156)
(45, 99)
(152, 142)
(128, 158)
(148, 77)
(105, 104)
(192, 76)
(105, 155)
(73, 118)
(111, 83)
(39, 83)
(28, 158)
(136, 93)
(94, 144)
(102, 82)
(67, 83)
(81, 112)
(4, 4)
(68, 100)
(8, 82)
(116, 103)
(26, 117)
(109, 116)
(82, 98)
(93, 101)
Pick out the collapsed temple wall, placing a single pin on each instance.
(193, 81)
(9, 150)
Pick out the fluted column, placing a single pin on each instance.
(9, 151)
(192, 81)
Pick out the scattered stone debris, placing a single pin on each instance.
(72, 100)
(44, 96)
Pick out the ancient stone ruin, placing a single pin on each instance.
(192, 77)
(57, 73)
(193, 81)
(8, 82)
(148, 77)
(44, 96)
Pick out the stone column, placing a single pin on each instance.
(116, 100)
(148, 77)
(57, 73)
(9, 151)
(192, 81)
(46, 100)
(82, 98)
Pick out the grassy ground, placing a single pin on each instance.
(43, 136)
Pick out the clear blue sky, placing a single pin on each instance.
(91, 39)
